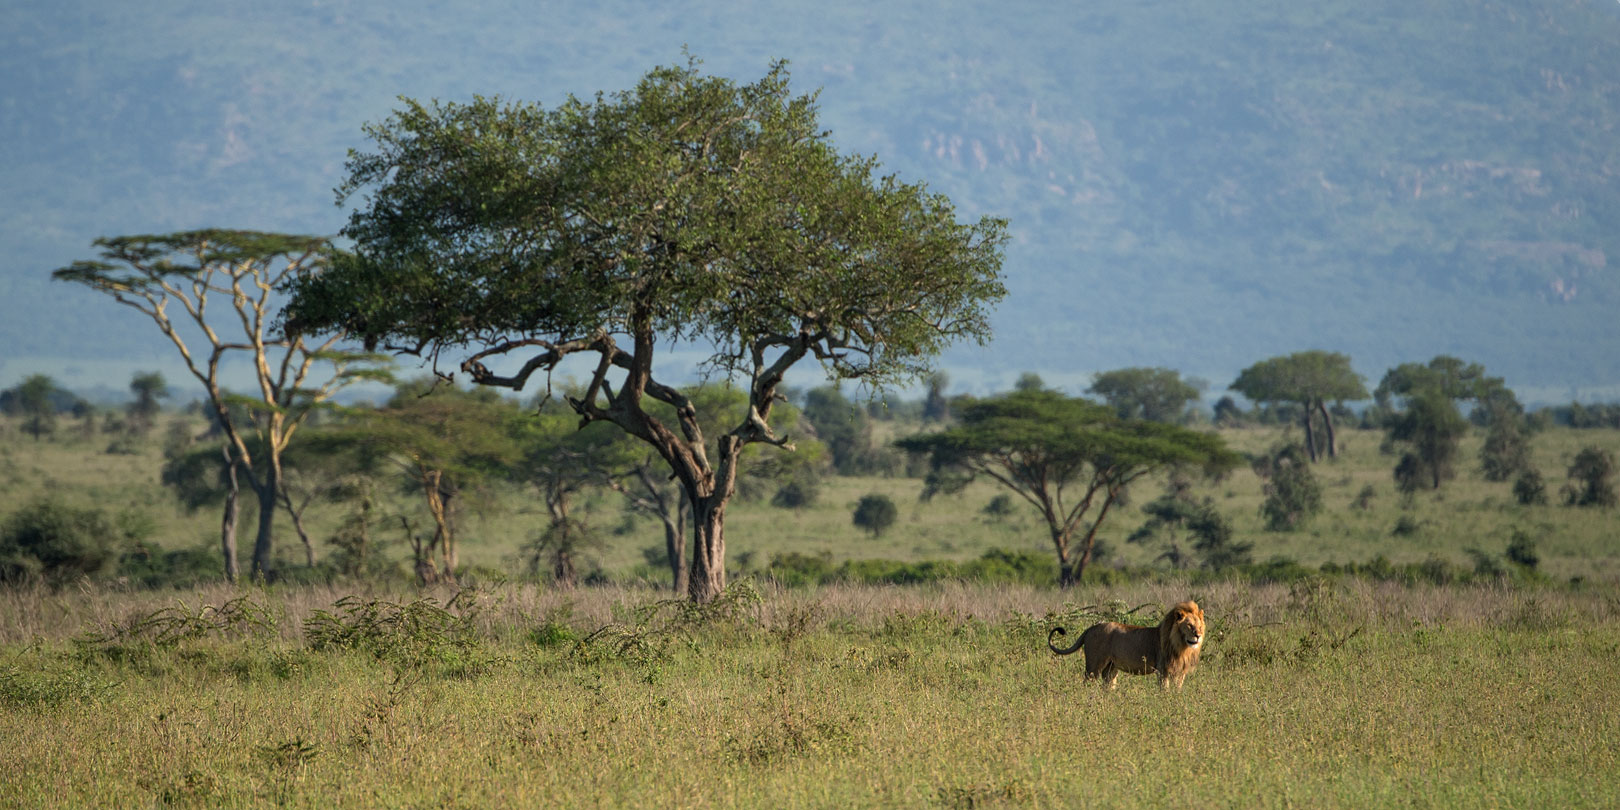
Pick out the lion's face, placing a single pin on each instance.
(1188, 626)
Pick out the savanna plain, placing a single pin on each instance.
(1464, 682)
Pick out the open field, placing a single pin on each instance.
(1323, 694)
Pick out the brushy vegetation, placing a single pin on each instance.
(1331, 693)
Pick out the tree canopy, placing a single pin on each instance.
(689, 209)
(1156, 394)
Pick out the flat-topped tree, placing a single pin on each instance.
(1312, 379)
(239, 271)
(1070, 458)
(689, 209)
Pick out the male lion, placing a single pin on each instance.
(1171, 649)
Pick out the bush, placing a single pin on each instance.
(1292, 493)
(1529, 489)
(876, 513)
(53, 542)
(1592, 478)
(799, 493)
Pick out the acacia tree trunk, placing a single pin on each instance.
(438, 501)
(707, 578)
(268, 491)
(1327, 424)
(227, 529)
(1310, 433)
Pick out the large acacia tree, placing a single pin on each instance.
(689, 210)
(1310, 378)
(212, 294)
(1065, 456)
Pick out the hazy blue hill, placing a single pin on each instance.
(1191, 185)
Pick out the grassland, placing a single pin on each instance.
(1328, 691)
(1352, 694)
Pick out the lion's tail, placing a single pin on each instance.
(1057, 633)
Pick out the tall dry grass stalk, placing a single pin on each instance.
(508, 611)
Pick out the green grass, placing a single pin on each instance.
(1347, 695)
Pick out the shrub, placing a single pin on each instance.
(54, 542)
(797, 494)
(1592, 478)
(1292, 494)
(999, 508)
(1529, 489)
(875, 513)
(1521, 550)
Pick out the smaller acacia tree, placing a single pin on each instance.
(241, 270)
(148, 387)
(1041, 443)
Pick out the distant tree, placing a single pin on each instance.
(936, 408)
(1227, 413)
(1156, 394)
(1592, 478)
(1029, 381)
(843, 427)
(1177, 514)
(35, 398)
(1311, 379)
(687, 210)
(292, 377)
(875, 513)
(148, 387)
(561, 460)
(1292, 494)
(1506, 450)
(1039, 443)
(1456, 381)
(1431, 427)
(448, 444)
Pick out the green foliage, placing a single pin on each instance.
(515, 219)
(1592, 478)
(1040, 442)
(1506, 451)
(1155, 394)
(1310, 379)
(241, 617)
(34, 398)
(1454, 380)
(1529, 488)
(1432, 427)
(847, 432)
(1000, 507)
(1292, 493)
(798, 493)
(875, 513)
(417, 635)
(50, 541)
(1177, 512)
(148, 387)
